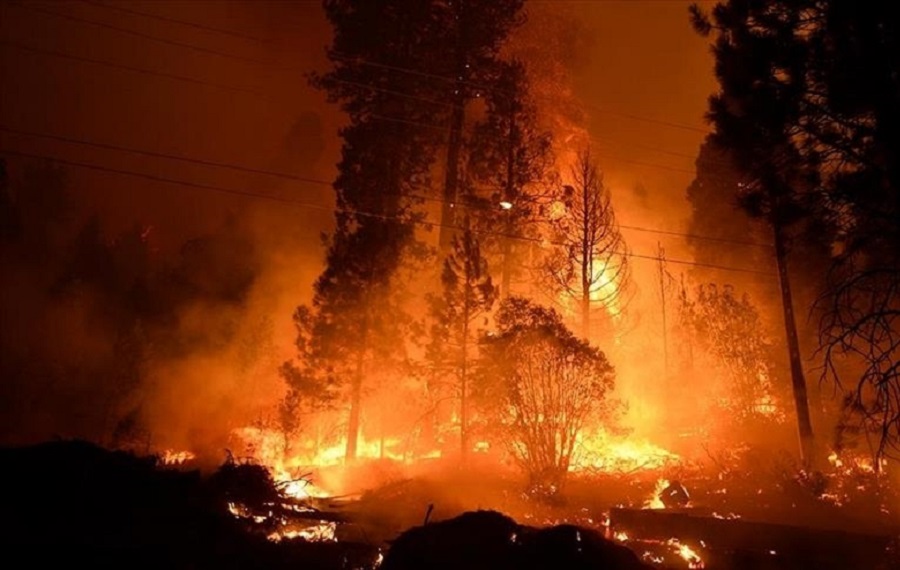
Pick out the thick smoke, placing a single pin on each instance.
(131, 338)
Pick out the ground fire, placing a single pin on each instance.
(481, 284)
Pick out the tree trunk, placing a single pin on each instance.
(798, 381)
(506, 267)
(355, 400)
(463, 384)
(587, 262)
(586, 315)
(451, 175)
(463, 413)
(509, 196)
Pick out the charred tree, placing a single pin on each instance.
(588, 262)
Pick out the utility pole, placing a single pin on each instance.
(660, 258)
(798, 381)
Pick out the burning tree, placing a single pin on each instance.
(542, 385)
(467, 295)
(589, 260)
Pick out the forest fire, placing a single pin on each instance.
(492, 283)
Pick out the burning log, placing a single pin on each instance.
(795, 546)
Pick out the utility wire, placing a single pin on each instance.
(695, 236)
(361, 85)
(120, 8)
(135, 33)
(140, 70)
(181, 158)
(250, 194)
(338, 56)
(486, 88)
(53, 53)
(298, 178)
(334, 54)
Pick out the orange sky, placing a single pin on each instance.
(644, 67)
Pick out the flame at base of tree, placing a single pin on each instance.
(599, 451)
(321, 532)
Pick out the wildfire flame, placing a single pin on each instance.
(172, 457)
(321, 532)
(655, 501)
(600, 452)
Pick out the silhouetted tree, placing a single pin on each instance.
(467, 40)
(809, 110)
(510, 167)
(761, 71)
(356, 317)
(467, 295)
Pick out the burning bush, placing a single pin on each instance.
(541, 386)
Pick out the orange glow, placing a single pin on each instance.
(605, 288)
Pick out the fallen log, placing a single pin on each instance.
(831, 548)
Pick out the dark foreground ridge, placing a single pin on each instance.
(75, 504)
(487, 540)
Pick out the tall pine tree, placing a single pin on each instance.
(467, 295)
(356, 322)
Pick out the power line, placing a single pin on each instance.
(53, 53)
(164, 179)
(144, 71)
(618, 158)
(134, 12)
(181, 158)
(298, 178)
(135, 33)
(358, 60)
(141, 70)
(432, 225)
(696, 236)
(338, 56)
